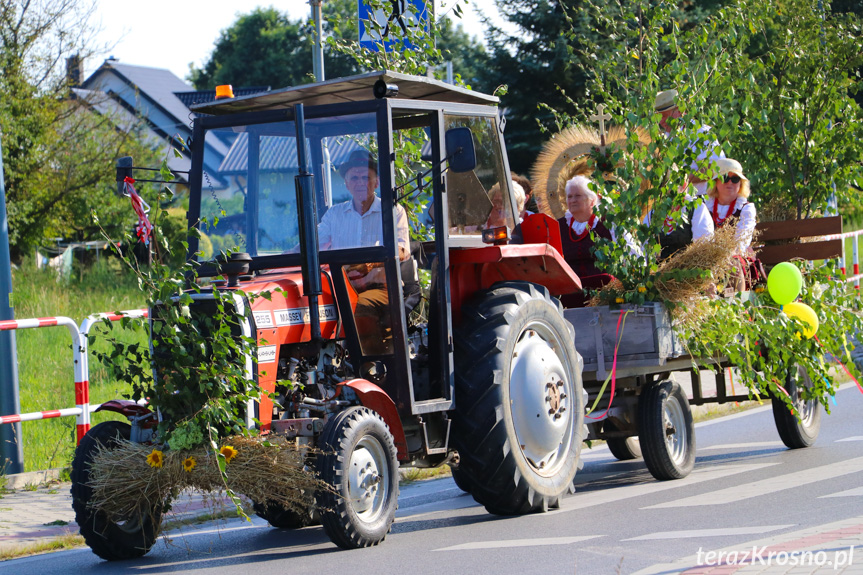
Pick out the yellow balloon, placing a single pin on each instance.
(805, 314)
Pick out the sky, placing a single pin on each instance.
(173, 34)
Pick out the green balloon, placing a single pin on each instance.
(784, 283)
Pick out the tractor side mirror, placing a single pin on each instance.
(460, 150)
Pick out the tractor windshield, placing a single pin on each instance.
(248, 193)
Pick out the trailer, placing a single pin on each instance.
(630, 353)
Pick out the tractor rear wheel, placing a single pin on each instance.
(110, 540)
(519, 405)
(358, 460)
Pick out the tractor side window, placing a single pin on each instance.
(479, 199)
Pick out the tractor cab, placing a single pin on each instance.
(288, 192)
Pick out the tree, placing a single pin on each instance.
(266, 48)
(547, 66)
(262, 48)
(57, 154)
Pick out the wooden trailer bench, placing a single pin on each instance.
(769, 233)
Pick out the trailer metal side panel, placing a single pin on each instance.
(646, 337)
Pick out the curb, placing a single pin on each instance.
(22, 480)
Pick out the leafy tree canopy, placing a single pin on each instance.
(57, 153)
(267, 48)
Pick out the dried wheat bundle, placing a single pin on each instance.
(676, 280)
(682, 279)
(130, 478)
(566, 156)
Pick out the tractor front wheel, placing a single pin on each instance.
(110, 540)
(358, 461)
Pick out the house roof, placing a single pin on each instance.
(278, 154)
(158, 84)
(125, 120)
(350, 89)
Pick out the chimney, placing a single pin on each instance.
(74, 70)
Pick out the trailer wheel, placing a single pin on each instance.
(666, 432)
(797, 433)
(358, 460)
(519, 405)
(109, 540)
(282, 518)
(622, 448)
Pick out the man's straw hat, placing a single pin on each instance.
(665, 100)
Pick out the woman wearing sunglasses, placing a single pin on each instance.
(727, 201)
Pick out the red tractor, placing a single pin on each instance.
(487, 379)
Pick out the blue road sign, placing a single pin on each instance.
(393, 20)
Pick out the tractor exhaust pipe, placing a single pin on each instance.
(308, 212)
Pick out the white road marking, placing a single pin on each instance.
(850, 493)
(722, 532)
(854, 438)
(733, 416)
(767, 486)
(743, 445)
(607, 496)
(506, 544)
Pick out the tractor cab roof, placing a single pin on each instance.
(350, 89)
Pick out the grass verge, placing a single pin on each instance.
(68, 541)
(45, 368)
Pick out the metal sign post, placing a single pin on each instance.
(11, 454)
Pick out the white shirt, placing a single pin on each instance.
(745, 226)
(702, 223)
(342, 227)
(705, 147)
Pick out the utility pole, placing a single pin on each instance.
(11, 454)
(318, 51)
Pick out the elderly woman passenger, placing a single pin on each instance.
(577, 240)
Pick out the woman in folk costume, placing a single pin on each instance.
(563, 190)
(728, 202)
(580, 230)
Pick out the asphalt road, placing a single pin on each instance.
(746, 486)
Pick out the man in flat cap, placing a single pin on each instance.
(693, 225)
(666, 105)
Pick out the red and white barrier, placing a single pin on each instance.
(80, 359)
(855, 254)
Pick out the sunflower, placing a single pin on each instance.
(189, 464)
(156, 458)
(228, 452)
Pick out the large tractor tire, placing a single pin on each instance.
(797, 432)
(462, 481)
(666, 432)
(109, 540)
(519, 405)
(359, 461)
